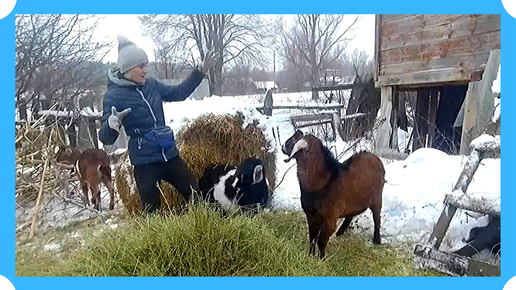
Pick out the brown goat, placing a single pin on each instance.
(331, 190)
(93, 167)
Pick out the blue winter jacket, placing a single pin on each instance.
(145, 100)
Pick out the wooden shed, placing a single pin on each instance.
(435, 56)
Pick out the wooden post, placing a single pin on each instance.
(442, 225)
(402, 112)
(377, 32)
(267, 103)
(434, 102)
(422, 103)
(470, 116)
(385, 130)
(337, 127)
(394, 118)
(40, 194)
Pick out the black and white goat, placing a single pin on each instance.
(235, 187)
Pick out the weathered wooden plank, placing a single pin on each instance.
(473, 61)
(480, 43)
(470, 116)
(462, 26)
(478, 268)
(418, 22)
(310, 124)
(479, 103)
(452, 264)
(425, 77)
(426, 257)
(391, 17)
(442, 225)
(377, 43)
(338, 87)
(314, 120)
(312, 117)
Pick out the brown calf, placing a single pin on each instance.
(92, 167)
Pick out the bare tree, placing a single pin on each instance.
(55, 54)
(57, 59)
(231, 37)
(314, 41)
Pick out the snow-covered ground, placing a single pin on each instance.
(413, 195)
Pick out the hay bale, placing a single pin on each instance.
(207, 140)
(212, 139)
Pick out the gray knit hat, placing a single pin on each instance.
(129, 55)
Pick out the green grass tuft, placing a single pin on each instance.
(204, 243)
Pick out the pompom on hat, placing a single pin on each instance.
(129, 54)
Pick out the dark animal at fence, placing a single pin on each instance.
(365, 99)
(93, 168)
(480, 238)
(236, 187)
(331, 190)
(268, 102)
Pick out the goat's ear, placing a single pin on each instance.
(298, 134)
(258, 174)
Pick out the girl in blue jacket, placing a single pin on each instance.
(134, 101)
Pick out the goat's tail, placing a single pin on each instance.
(105, 171)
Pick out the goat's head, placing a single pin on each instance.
(251, 171)
(67, 155)
(294, 145)
(252, 182)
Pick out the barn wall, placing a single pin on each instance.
(433, 49)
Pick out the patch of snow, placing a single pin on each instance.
(56, 113)
(485, 141)
(88, 112)
(52, 247)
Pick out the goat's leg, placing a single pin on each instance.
(345, 225)
(85, 199)
(111, 189)
(96, 197)
(327, 229)
(313, 230)
(376, 218)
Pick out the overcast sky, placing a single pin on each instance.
(130, 26)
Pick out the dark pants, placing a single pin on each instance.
(175, 171)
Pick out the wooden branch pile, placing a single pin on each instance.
(40, 185)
